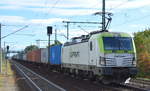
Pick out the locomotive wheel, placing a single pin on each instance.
(106, 81)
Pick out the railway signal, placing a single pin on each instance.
(7, 48)
(49, 32)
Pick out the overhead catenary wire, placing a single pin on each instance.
(45, 7)
(121, 4)
(26, 34)
(38, 14)
(53, 6)
(133, 20)
(83, 29)
(15, 31)
(133, 9)
(11, 25)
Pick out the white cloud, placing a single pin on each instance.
(62, 7)
(145, 11)
(73, 12)
(65, 7)
(135, 25)
(18, 47)
(46, 21)
(75, 3)
(68, 7)
(12, 19)
(22, 20)
(131, 3)
(73, 32)
(22, 2)
(11, 7)
(51, 3)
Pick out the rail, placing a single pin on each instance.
(38, 82)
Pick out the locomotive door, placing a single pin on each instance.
(91, 52)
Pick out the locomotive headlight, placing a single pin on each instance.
(102, 61)
(133, 61)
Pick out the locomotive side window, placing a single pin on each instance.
(91, 46)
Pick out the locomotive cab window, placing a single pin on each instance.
(91, 46)
(118, 43)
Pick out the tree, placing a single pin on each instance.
(30, 48)
(56, 43)
(142, 42)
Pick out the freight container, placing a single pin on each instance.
(30, 56)
(24, 57)
(17, 56)
(44, 55)
(37, 55)
(20, 56)
(34, 56)
(55, 55)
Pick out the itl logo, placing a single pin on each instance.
(74, 54)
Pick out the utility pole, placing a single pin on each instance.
(55, 35)
(103, 16)
(5, 55)
(49, 48)
(0, 51)
(67, 30)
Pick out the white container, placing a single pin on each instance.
(44, 55)
(24, 57)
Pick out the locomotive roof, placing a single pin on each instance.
(85, 38)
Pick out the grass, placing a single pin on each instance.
(144, 79)
(3, 75)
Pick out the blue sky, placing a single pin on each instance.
(128, 16)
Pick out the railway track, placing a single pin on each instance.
(36, 82)
(132, 87)
(140, 83)
(79, 85)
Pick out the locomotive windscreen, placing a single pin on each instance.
(117, 43)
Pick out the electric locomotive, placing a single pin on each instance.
(107, 56)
